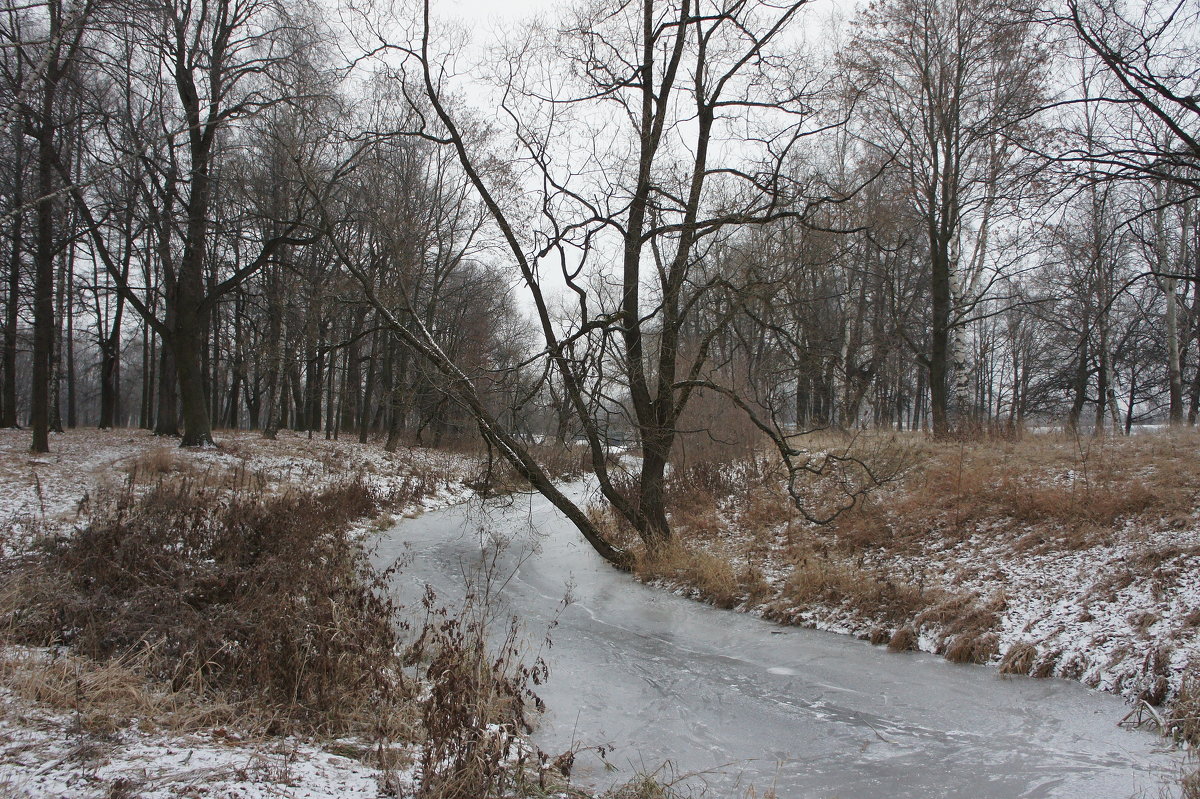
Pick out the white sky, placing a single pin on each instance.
(484, 12)
(485, 16)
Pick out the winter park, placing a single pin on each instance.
(589, 399)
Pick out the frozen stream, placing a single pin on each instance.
(750, 703)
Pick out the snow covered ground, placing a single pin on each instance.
(1100, 615)
(44, 754)
(51, 486)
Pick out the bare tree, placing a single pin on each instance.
(671, 134)
(947, 88)
(42, 116)
(1152, 53)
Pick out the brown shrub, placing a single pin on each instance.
(480, 697)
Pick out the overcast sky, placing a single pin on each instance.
(485, 15)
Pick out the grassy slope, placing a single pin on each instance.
(1050, 555)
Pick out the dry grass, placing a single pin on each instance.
(255, 601)
(1183, 718)
(1019, 659)
(713, 579)
(1055, 491)
(105, 697)
(817, 581)
(1035, 494)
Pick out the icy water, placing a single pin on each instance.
(746, 706)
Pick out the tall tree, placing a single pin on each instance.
(225, 60)
(55, 60)
(946, 89)
(622, 140)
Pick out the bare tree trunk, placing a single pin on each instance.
(8, 400)
(166, 421)
(1079, 386)
(43, 292)
(1174, 367)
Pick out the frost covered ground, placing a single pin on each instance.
(52, 486)
(46, 752)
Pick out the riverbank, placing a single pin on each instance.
(974, 552)
(193, 623)
(1043, 556)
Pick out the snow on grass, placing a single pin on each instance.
(49, 488)
(44, 753)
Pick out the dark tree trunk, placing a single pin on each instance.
(1079, 386)
(149, 362)
(8, 400)
(398, 398)
(939, 347)
(43, 291)
(166, 421)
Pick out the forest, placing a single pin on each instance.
(633, 223)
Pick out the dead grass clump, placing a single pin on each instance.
(1019, 658)
(962, 615)
(1183, 717)
(262, 601)
(903, 640)
(712, 577)
(158, 461)
(1046, 666)
(969, 648)
(826, 581)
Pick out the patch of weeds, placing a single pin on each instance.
(712, 577)
(903, 640)
(1183, 717)
(479, 697)
(258, 601)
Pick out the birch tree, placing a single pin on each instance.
(947, 88)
